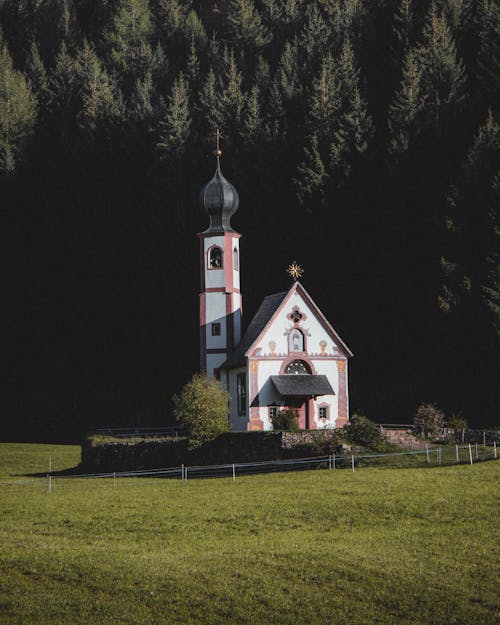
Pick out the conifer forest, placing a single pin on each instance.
(362, 136)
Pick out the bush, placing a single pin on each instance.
(286, 420)
(202, 406)
(458, 424)
(429, 420)
(362, 431)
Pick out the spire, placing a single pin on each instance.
(219, 198)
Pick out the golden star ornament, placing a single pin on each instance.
(295, 271)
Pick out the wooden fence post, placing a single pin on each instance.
(494, 449)
(470, 453)
(456, 452)
(334, 460)
(484, 439)
(427, 453)
(234, 473)
(352, 460)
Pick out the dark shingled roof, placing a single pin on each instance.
(299, 385)
(258, 323)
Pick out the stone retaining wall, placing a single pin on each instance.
(226, 448)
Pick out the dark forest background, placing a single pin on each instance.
(363, 139)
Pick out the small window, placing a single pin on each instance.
(297, 367)
(323, 412)
(236, 260)
(273, 411)
(216, 329)
(215, 258)
(241, 384)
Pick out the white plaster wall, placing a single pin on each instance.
(215, 312)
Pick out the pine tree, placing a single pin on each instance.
(142, 107)
(311, 178)
(488, 57)
(245, 27)
(404, 113)
(193, 67)
(287, 75)
(100, 103)
(17, 112)
(128, 40)
(325, 102)
(211, 103)
(232, 98)
(193, 30)
(38, 77)
(253, 124)
(403, 29)
(63, 86)
(176, 126)
(443, 74)
(471, 271)
(314, 39)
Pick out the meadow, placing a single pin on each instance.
(380, 546)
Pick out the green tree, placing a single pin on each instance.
(128, 40)
(17, 112)
(202, 406)
(443, 74)
(100, 102)
(38, 78)
(176, 127)
(403, 28)
(406, 109)
(471, 271)
(287, 73)
(210, 103)
(488, 56)
(429, 420)
(311, 178)
(245, 27)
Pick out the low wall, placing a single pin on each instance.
(226, 448)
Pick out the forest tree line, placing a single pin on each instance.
(363, 138)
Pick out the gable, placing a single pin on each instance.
(319, 336)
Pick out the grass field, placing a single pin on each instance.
(381, 546)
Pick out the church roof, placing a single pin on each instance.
(266, 310)
(302, 385)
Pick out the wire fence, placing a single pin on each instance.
(436, 456)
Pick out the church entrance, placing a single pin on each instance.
(304, 410)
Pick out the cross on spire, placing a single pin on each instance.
(218, 151)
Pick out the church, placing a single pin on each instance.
(289, 357)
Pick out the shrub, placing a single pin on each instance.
(429, 420)
(202, 406)
(286, 420)
(362, 431)
(458, 424)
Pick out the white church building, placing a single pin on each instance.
(289, 357)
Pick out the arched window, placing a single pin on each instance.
(297, 367)
(236, 260)
(215, 258)
(295, 341)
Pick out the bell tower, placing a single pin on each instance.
(220, 296)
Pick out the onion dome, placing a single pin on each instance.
(220, 199)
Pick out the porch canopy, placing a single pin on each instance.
(298, 385)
